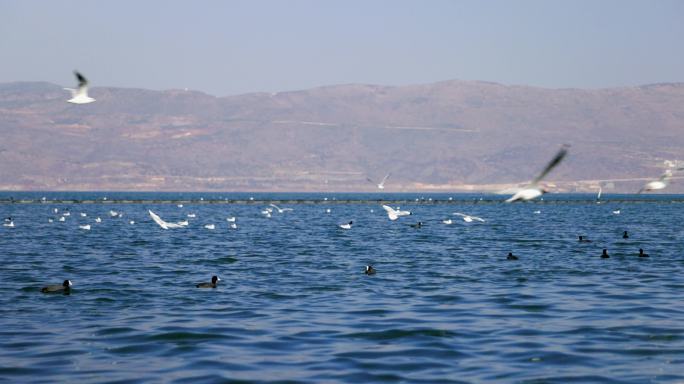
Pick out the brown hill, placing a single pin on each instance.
(451, 136)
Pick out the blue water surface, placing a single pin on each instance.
(295, 306)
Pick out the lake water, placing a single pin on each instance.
(295, 306)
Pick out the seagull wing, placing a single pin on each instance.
(391, 213)
(82, 85)
(384, 179)
(158, 220)
(460, 214)
(553, 163)
(477, 218)
(275, 206)
(82, 81)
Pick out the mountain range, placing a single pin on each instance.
(451, 136)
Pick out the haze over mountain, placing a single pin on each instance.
(447, 136)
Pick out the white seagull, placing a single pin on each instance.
(447, 221)
(468, 218)
(191, 215)
(231, 219)
(163, 223)
(233, 226)
(80, 95)
(381, 185)
(9, 224)
(210, 226)
(83, 214)
(85, 227)
(280, 210)
(661, 183)
(98, 220)
(533, 190)
(62, 218)
(346, 226)
(394, 214)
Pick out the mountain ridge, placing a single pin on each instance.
(450, 135)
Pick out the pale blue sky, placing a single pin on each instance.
(232, 47)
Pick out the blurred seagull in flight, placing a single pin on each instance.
(533, 190)
(659, 184)
(280, 210)
(80, 95)
(381, 185)
(394, 214)
(163, 223)
(468, 218)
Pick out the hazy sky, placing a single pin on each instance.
(231, 47)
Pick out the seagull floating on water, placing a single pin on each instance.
(468, 218)
(231, 219)
(98, 220)
(85, 227)
(191, 215)
(380, 185)
(80, 95)
(447, 221)
(533, 190)
(210, 226)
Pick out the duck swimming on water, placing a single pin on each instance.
(213, 284)
(65, 288)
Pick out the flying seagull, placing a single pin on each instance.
(163, 223)
(468, 218)
(280, 210)
(533, 190)
(661, 183)
(394, 214)
(382, 183)
(80, 95)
